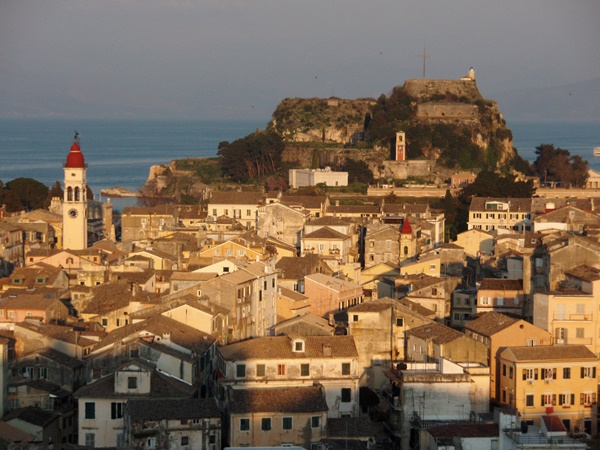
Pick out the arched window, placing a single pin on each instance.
(69, 194)
(77, 194)
(406, 250)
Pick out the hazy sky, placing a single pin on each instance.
(204, 59)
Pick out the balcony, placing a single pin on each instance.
(574, 317)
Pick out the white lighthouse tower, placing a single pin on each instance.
(75, 201)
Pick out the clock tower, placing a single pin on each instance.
(75, 201)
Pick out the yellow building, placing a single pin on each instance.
(541, 380)
(571, 314)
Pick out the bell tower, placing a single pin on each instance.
(75, 201)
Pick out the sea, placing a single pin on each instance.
(121, 152)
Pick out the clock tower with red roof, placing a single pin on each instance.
(75, 201)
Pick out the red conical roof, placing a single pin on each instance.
(75, 158)
(406, 228)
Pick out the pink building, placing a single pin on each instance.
(327, 294)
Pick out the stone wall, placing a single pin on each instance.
(447, 110)
(425, 88)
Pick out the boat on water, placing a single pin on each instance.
(597, 151)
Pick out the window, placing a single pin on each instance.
(529, 400)
(260, 370)
(355, 318)
(530, 374)
(503, 370)
(315, 421)
(304, 370)
(566, 373)
(299, 346)
(185, 440)
(104, 322)
(90, 439)
(265, 424)
(485, 300)
(346, 395)
(287, 423)
(549, 374)
(244, 424)
(90, 410)
(116, 410)
(240, 370)
(151, 442)
(548, 400)
(399, 322)
(588, 372)
(280, 369)
(131, 382)
(510, 372)
(43, 373)
(248, 213)
(345, 368)
(579, 333)
(566, 400)
(587, 398)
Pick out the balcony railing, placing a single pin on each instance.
(573, 317)
(536, 439)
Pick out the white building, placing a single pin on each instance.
(312, 177)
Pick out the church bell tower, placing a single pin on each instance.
(75, 201)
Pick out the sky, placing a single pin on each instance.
(237, 59)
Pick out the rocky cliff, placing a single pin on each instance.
(448, 121)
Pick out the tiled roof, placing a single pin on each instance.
(465, 430)
(490, 323)
(306, 201)
(332, 283)
(280, 347)
(180, 334)
(12, 434)
(161, 386)
(515, 204)
(289, 400)
(585, 273)
(353, 209)
(308, 318)
(177, 409)
(325, 233)
(236, 198)
(551, 352)
(35, 416)
(292, 295)
(436, 332)
(499, 284)
(378, 305)
(298, 267)
(331, 221)
(414, 306)
(351, 427)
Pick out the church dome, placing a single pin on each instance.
(75, 158)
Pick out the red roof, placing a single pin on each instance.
(75, 158)
(406, 228)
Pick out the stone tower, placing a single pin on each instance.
(75, 201)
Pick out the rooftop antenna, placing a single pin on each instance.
(425, 56)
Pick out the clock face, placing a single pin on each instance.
(73, 213)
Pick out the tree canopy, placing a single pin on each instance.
(555, 164)
(492, 184)
(358, 171)
(24, 193)
(252, 157)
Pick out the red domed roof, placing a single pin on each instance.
(75, 158)
(406, 228)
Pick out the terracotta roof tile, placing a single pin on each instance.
(289, 400)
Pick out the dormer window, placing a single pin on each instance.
(298, 345)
